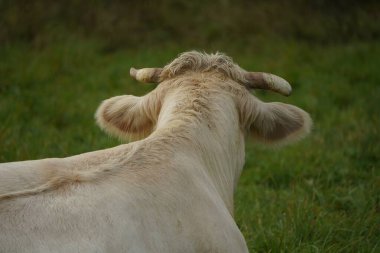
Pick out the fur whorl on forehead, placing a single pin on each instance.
(202, 62)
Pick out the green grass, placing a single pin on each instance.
(319, 195)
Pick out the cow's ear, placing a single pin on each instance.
(129, 117)
(276, 123)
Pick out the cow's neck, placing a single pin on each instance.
(217, 143)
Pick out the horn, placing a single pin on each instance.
(265, 81)
(146, 75)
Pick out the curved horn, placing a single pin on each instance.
(146, 75)
(265, 81)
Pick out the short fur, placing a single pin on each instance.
(169, 192)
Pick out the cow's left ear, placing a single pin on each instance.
(129, 117)
(276, 123)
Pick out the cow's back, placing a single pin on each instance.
(137, 210)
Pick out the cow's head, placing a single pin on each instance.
(130, 116)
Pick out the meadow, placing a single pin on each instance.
(319, 195)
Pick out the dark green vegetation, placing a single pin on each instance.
(319, 195)
(196, 22)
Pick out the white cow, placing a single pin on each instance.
(171, 191)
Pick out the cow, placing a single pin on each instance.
(172, 188)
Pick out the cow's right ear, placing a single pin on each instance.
(129, 117)
(275, 123)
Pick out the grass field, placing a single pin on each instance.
(319, 195)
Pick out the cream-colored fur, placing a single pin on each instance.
(171, 191)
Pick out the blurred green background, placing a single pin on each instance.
(60, 59)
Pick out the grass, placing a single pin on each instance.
(319, 195)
